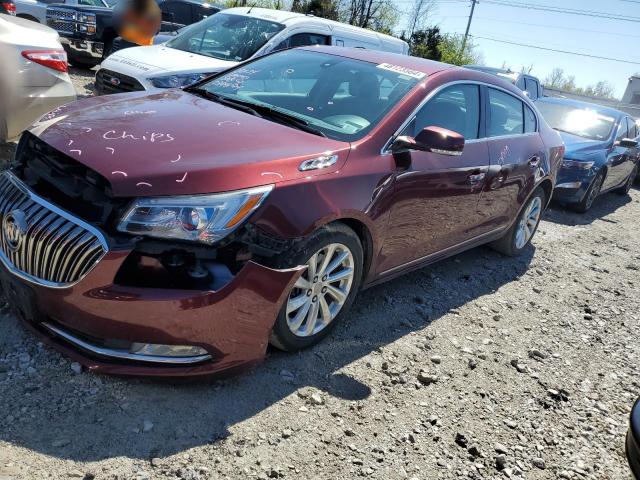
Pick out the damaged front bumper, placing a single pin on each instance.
(108, 328)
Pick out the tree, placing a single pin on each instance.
(319, 8)
(558, 80)
(425, 43)
(451, 51)
(418, 16)
(363, 13)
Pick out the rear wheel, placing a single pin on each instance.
(324, 292)
(520, 234)
(624, 190)
(592, 193)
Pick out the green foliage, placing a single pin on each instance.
(451, 51)
(425, 43)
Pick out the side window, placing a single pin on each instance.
(177, 13)
(529, 120)
(506, 114)
(200, 12)
(531, 87)
(455, 108)
(303, 40)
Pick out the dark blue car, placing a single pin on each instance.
(602, 151)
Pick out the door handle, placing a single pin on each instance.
(476, 178)
(534, 161)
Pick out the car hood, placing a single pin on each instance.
(175, 143)
(159, 59)
(579, 146)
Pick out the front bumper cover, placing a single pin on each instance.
(82, 49)
(232, 324)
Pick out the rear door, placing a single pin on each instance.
(516, 151)
(435, 199)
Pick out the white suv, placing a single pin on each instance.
(225, 39)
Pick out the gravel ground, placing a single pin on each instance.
(478, 367)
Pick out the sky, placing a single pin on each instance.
(576, 33)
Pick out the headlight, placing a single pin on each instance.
(176, 81)
(87, 18)
(198, 218)
(577, 164)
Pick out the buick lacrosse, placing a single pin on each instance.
(181, 232)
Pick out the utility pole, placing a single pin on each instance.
(466, 33)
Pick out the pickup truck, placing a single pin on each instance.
(36, 10)
(87, 32)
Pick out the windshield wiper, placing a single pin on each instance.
(203, 92)
(258, 110)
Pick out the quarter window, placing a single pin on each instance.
(507, 117)
(455, 108)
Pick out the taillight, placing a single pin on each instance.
(9, 7)
(55, 59)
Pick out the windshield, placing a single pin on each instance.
(340, 97)
(582, 122)
(226, 37)
(93, 3)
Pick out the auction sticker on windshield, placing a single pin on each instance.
(402, 70)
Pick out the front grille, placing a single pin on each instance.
(60, 25)
(108, 81)
(60, 13)
(42, 242)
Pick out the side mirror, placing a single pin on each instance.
(628, 143)
(432, 139)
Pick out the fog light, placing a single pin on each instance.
(157, 350)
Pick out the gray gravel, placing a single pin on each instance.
(478, 367)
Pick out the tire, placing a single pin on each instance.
(512, 244)
(591, 194)
(624, 189)
(81, 63)
(294, 330)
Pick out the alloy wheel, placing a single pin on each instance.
(594, 191)
(529, 222)
(321, 291)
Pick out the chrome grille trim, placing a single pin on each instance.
(58, 249)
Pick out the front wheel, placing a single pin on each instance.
(324, 292)
(593, 191)
(520, 234)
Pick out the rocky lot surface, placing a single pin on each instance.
(479, 367)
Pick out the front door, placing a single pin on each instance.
(436, 197)
(619, 161)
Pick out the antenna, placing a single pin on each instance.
(251, 8)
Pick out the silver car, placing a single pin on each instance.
(33, 77)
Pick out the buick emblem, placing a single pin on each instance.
(114, 81)
(14, 229)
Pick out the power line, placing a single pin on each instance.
(569, 11)
(557, 50)
(554, 26)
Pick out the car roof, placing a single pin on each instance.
(290, 18)
(612, 112)
(203, 3)
(429, 67)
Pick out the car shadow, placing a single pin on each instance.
(89, 417)
(603, 206)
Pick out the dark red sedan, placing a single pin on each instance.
(179, 232)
